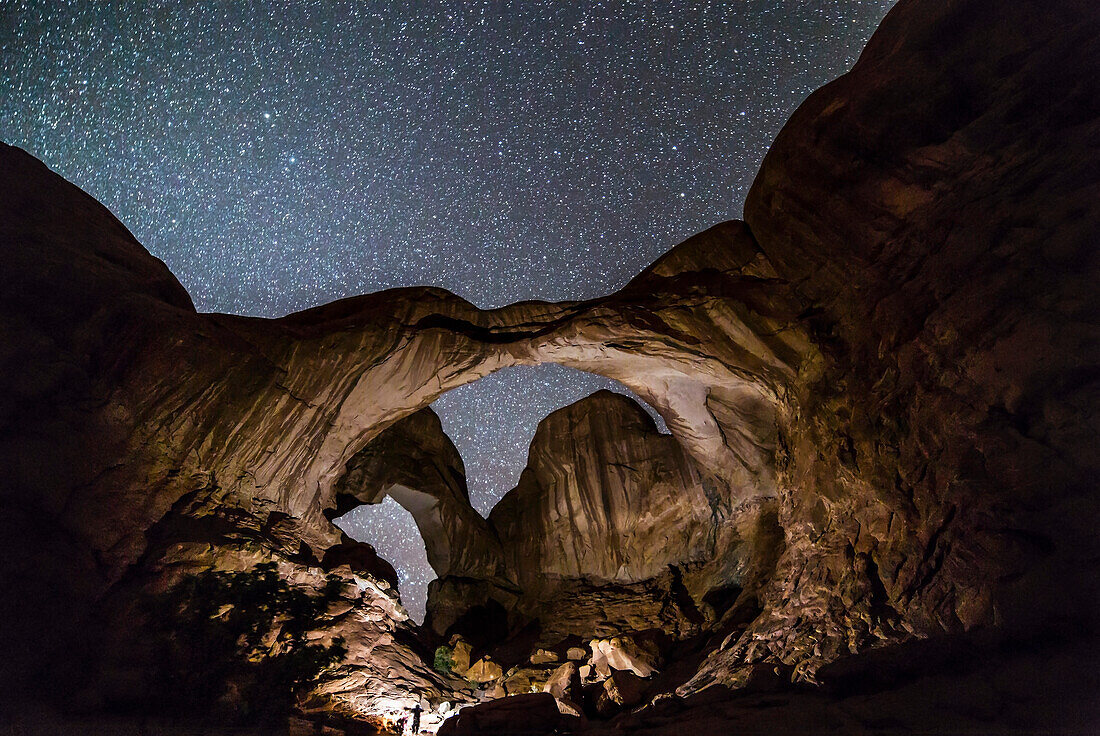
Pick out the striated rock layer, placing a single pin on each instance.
(612, 528)
(605, 496)
(900, 349)
(140, 415)
(934, 209)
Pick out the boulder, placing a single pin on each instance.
(484, 670)
(460, 655)
(564, 682)
(623, 689)
(623, 654)
(543, 656)
(525, 680)
(570, 708)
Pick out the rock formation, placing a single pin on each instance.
(417, 465)
(605, 496)
(936, 478)
(612, 528)
(896, 354)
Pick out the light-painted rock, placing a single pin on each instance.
(600, 669)
(484, 670)
(543, 656)
(415, 463)
(898, 351)
(604, 496)
(460, 655)
(564, 682)
(525, 680)
(569, 708)
(268, 427)
(622, 653)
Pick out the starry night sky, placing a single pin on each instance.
(282, 155)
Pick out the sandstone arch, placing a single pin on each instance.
(913, 299)
(416, 464)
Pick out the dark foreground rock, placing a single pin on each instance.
(534, 714)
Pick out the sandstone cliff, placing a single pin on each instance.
(613, 528)
(932, 210)
(900, 347)
(604, 496)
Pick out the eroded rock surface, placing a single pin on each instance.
(931, 209)
(898, 352)
(416, 464)
(612, 528)
(604, 496)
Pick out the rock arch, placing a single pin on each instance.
(416, 464)
(913, 299)
(336, 376)
(219, 424)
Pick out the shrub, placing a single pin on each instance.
(234, 643)
(443, 660)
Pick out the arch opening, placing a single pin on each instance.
(391, 529)
(408, 492)
(492, 421)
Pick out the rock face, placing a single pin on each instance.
(931, 210)
(893, 362)
(416, 464)
(605, 496)
(612, 528)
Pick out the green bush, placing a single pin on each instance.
(233, 644)
(443, 660)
